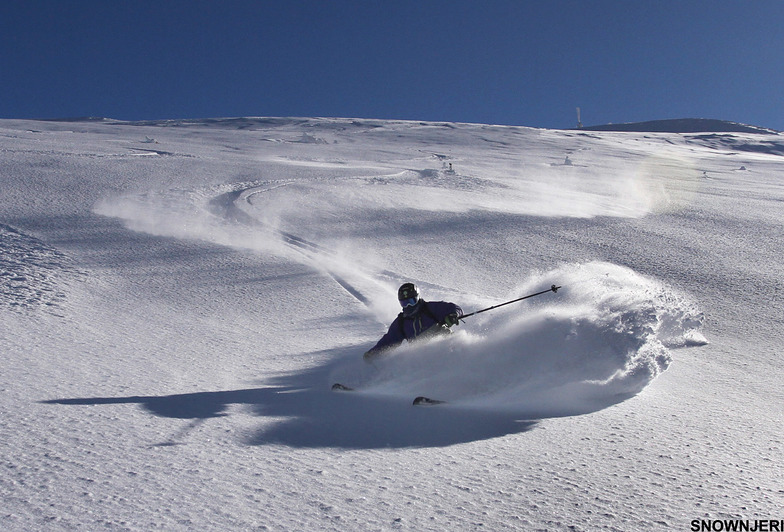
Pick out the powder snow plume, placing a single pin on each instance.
(604, 336)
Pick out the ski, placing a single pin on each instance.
(426, 401)
(419, 401)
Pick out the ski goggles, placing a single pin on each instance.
(408, 302)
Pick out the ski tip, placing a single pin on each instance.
(426, 401)
(342, 388)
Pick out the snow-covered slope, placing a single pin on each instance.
(178, 297)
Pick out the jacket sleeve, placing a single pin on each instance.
(392, 338)
(442, 309)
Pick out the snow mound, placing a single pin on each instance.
(605, 335)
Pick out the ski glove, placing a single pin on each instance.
(451, 319)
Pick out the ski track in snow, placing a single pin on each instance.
(610, 336)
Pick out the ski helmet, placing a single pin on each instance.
(408, 294)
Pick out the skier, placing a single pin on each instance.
(418, 319)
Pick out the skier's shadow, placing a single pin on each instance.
(312, 416)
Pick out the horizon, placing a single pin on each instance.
(503, 63)
(673, 125)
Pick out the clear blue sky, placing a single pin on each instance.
(488, 61)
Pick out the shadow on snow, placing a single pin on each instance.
(312, 416)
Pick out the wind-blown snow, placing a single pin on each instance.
(178, 297)
(603, 338)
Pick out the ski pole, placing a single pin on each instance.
(551, 289)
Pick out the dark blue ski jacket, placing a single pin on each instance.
(423, 317)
